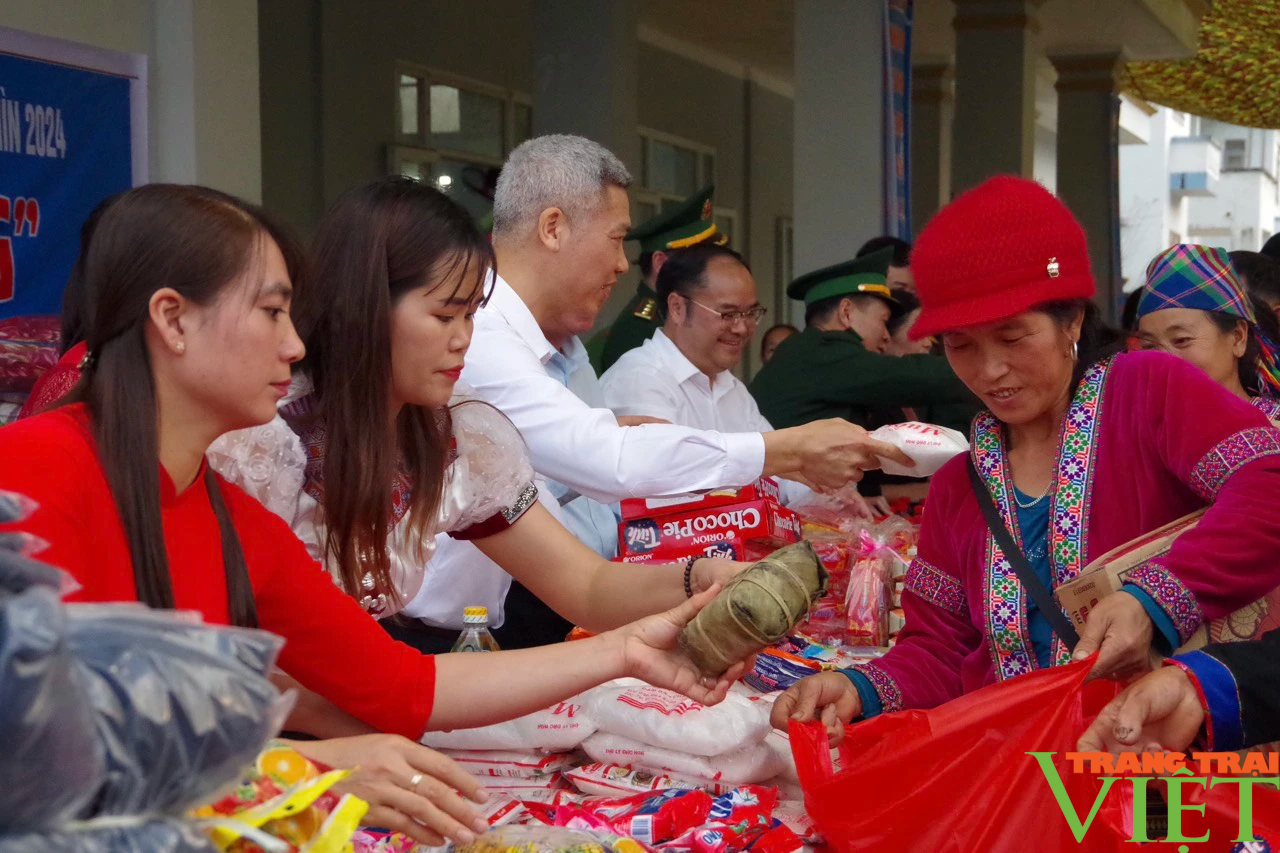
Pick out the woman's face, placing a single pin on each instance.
(238, 351)
(1021, 368)
(430, 333)
(899, 342)
(1192, 335)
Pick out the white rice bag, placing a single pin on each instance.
(929, 446)
(518, 765)
(665, 719)
(780, 745)
(743, 767)
(559, 728)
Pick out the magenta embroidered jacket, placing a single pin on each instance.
(1148, 438)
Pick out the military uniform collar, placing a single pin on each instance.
(849, 334)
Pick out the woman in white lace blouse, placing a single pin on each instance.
(368, 461)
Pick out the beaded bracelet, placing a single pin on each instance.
(688, 576)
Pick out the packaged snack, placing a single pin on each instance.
(756, 609)
(836, 554)
(617, 779)
(548, 839)
(753, 764)
(739, 820)
(766, 488)
(929, 446)
(761, 521)
(649, 818)
(520, 787)
(520, 765)
(826, 620)
(666, 719)
(559, 728)
(776, 670)
(868, 604)
(793, 816)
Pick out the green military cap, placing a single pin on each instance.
(687, 224)
(865, 275)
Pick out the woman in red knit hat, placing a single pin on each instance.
(1081, 449)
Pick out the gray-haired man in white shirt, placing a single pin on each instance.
(560, 216)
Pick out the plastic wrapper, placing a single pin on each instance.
(837, 556)
(14, 507)
(752, 764)
(671, 721)
(620, 779)
(518, 764)
(826, 620)
(867, 608)
(649, 818)
(776, 670)
(141, 836)
(559, 728)
(53, 763)
(182, 706)
(755, 609)
(929, 446)
(18, 571)
(548, 839)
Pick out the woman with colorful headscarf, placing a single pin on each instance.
(1082, 448)
(1194, 307)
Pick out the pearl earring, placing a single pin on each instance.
(181, 346)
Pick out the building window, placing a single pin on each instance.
(671, 170)
(456, 133)
(1233, 154)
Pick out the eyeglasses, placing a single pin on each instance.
(751, 316)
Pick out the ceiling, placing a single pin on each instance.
(760, 34)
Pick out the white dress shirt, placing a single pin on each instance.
(656, 379)
(583, 447)
(555, 400)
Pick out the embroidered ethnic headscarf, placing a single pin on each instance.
(1201, 277)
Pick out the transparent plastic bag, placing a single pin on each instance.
(141, 836)
(53, 763)
(18, 572)
(182, 706)
(15, 507)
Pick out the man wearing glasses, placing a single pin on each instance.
(836, 367)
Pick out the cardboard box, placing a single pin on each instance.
(765, 488)
(726, 549)
(1107, 574)
(759, 521)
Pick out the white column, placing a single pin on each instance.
(172, 80)
(839, 103)
(995, 111)
(1089, 163)
(932, 113)
(586, 58)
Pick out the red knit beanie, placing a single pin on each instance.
(997, 250)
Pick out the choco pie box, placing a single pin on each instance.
(742, 529)
(765, 488)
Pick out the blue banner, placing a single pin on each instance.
(64, 146)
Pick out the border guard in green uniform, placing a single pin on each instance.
(687, 224)
(836, 367)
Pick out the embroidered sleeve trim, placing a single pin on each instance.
(886, 686)
(937, 587)
(1230, 455)
(1219, 695)
(1171, 594)
(501, 520)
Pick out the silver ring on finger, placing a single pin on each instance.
(415, 780)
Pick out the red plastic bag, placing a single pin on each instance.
(957, 777)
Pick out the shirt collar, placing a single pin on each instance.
(684, 370)
(507, 303)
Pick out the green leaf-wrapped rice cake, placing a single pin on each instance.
(756, 609)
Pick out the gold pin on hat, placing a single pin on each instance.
(1052, 268)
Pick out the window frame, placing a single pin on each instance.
(643, 194)
(418, 147)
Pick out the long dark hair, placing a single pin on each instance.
(195, 241)
(377, 242)
(1098, 339)
(1260, 350)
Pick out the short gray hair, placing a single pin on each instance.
(568, 172)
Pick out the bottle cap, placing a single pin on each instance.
(475, 615)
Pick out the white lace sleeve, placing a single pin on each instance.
(492, 474)
(267, 462)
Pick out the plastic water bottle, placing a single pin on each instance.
(475, 632)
